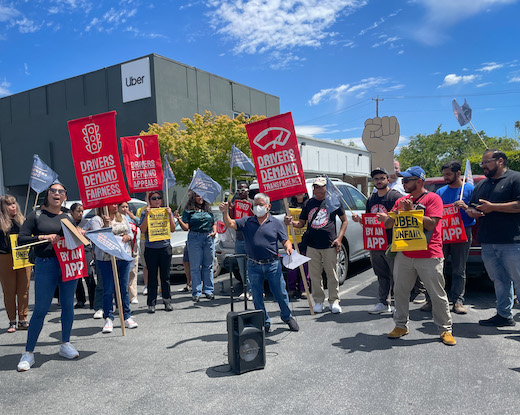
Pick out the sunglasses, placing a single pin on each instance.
(156, 198)
(59, 191)
(408, 179)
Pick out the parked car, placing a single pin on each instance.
(352, 247)
(474, 266)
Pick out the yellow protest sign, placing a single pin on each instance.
(158, 225)
(298, 232)
(408, 232)
(20, 256)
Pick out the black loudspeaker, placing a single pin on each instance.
(246, 340)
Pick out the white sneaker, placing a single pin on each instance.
(68, 351)
(134, 301)
(145, 290)
(335, 308)
(318, 308)
(98, 314)
(241, 296)
(380, 308)
(130, 323)
(249, 296)
(26, 361)
(108, 327)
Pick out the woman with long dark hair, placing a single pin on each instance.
(15, 283)
(199, 220)
(120, 227)
(44, 224)
(157, 254)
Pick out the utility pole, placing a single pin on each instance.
(377, 104)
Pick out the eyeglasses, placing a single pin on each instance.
(156, 198)
(59, 191)
(486, 162)
(409, 179)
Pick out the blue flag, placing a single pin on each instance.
(467, 173)
(332, 197)
(462, 114)
(239, 159)
(169, 179)
(205, 186)
(42, 176)
(105, 240)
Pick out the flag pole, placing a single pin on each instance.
(463, 183)
(116, 285)
(31, 244)
(36, 201)
(481, 139)
(167, 198)
(26, 200)
(302, 269)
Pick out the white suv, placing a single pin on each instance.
(352, 247)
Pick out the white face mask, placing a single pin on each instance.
(259, 210)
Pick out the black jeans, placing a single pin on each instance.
(158, 259)
(90, 281)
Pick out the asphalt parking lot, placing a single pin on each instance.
(340, 364)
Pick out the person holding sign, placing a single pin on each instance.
(381, 201)
(199, 220)
(262, 233)
(44, 225)
(157, 248)
(120, 227)
(15, 282)
(459, 251)
(427, 264)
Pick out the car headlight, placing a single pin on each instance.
(177, 250)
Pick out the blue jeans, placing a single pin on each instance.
(201, 250)
(271, 272)
(502, 263)
(240, 249)
(47, 275)
(123, 271)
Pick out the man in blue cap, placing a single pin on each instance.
(427, 264)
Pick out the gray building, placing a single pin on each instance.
(150, 89)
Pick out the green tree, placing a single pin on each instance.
(205, 143)
(433, 150)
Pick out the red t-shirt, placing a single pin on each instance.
(432, 205)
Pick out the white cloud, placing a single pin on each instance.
(145, 35)
(453, 79)
(26, 25)
(314, 130)
(340, 92)
(378, 22)
(441, 14)
(4, 88)
(26, 68)
(8, 13)
(266, 25)
(386, 40)
(110, 20)
(515, 78)
(483, 84)
(490, 66)
(284, 60)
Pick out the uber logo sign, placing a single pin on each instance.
(135, 80)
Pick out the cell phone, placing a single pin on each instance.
(474, 206)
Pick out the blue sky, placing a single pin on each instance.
(325, 59)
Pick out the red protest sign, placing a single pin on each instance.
(277, 157)
(96, 160)
(242, 208)
(221, 227)
(374, 233)
(452, 226)
(142, 163)
(73, 262)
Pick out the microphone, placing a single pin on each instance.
(226, 196)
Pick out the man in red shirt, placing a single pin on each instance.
(427, 264)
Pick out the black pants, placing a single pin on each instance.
(91, 283)
(158, 259)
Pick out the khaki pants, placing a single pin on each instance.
(430, 271)
(323, 259)
(132, 278)
(15, 285)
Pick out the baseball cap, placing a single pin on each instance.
(378, 170)
(319, 181)
(414, 171)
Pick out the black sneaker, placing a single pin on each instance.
(497, 321)
(293, 325)
(79, 304)
(151, 309)
(267, 328)
(168, 306)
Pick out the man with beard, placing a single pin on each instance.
(450, 194)
(382, 200)
(426, 264)
(496, 202)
